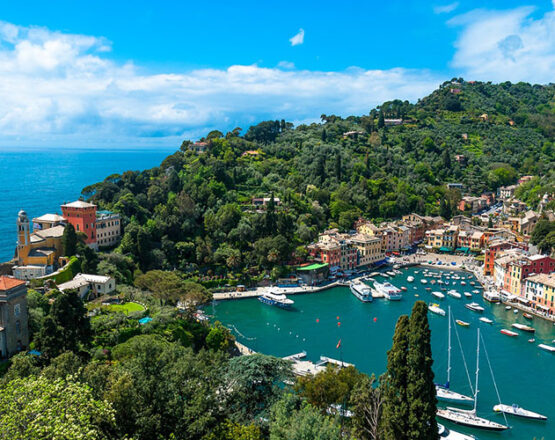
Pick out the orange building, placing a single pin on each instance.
(82, 216)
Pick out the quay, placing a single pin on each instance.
(256, 292)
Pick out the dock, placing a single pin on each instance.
(328, 360)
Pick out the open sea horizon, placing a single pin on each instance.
(39, 180)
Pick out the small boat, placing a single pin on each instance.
(361, 291)
(434, 308)
(524, 328)
(532, 340)
(476, 291)
(515, 410)
(454, 294)
(508, 307)
(463, 283)
(547, 347)
(515, 311)
(472, 283)
(390, 273)
(396, 266)
(475, 307)
(449, 434)
(462, 323)
(424, 281)
(383, 274)
(491, 296)
(276, 299)
(403, 288)
(428, 289)
(468, 294)
(433, 282)
(486, 320)
(438, 294)
(509, 332)
(410, 279)
(527, 315)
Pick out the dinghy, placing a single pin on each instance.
(527, 316)
(462, 323)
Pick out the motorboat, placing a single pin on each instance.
(509, 332)
(486, 320)
(508, 307)
(475, 307)
(432, 281)
(396, 266)
(410, 278)
(468, 294)
(515, 311)
(515, 410)
(276, 299)
(470, 417)
(438, 294)
(390, 273)
(361, 291)
(463, 283)
(490, 295)
(434, 308)
(524, 327)
(424, 281)
(449, 434)
(547, 347)
(527, 315)
(388, 290)
(454, 294)
(462, 323)
(403, 288)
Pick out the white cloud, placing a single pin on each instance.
(506, 45)
(445, 9)
(60, 89)
(298, 38)
(286, 65)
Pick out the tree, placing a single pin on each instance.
(395, 415)
(366, 405)
(421, 393)
(381, 121)
(270, 217)
(89, 260)
(39, 408)
(69, 241)
(292, 419)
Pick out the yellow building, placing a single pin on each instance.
(369, 249)
(540, 291)
(37, 254)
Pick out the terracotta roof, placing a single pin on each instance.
(7, 283)
(78, 204)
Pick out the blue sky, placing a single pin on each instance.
(146, 73)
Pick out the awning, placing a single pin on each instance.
(314, 266)
(522, 300)
(428, 246)
(445, 249)
(541, 306)
(462, 249)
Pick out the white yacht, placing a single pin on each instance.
(389, 291)
(475, 307)
(276, 299)
(454, 294)
(361, 291)
(449, 434)
(424, 281)
(486, 320)
(410, 279)
(438, 295)
(435, 308)
(515, 410)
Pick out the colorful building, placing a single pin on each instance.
(540, 291)
(14, 333)
(369, 249)
(82, 216)
(108, 228)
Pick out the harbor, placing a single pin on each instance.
(316, 323)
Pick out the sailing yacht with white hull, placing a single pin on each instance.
(469, 417)
(442, 391)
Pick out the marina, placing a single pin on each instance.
(366, 331)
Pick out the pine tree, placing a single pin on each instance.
(69, 241)
(396, 409)
(421, 393)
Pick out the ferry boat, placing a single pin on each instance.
(388, 290)
(491, 296)
(515, 410)
(454, 294)
(449, 434)
(486, 320)
(361, 291)
(276, 299)
(434, 308)
(410, 279)
(438, 294)
(524, 328)
(475, 307)
(509, 332)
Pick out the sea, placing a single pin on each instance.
(39, 180)
(523, 373)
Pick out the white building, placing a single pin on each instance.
(90, 286)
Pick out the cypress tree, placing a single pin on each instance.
(421, 393)
(69, 241)
(396, 409)
(381, 121)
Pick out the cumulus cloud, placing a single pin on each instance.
(286, 65)
(63, 88)
(298, 38)
(506, 45)
(445, 9)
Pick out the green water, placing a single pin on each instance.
(524, 373)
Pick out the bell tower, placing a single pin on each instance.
(23, 233)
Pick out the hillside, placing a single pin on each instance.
(194, 212)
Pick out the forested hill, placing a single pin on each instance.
(195, 209)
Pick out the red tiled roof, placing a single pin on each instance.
(7, 283)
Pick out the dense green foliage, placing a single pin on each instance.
(194, 212)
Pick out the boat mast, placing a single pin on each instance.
(449, 351)
(477, 371)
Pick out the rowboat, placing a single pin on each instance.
(462, 323)
(509, 332)
(524, 327)
(515, 410)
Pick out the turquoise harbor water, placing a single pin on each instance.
(40, 180)
(524, 373)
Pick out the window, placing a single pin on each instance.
(18, 327)
(17, 309)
